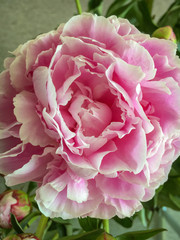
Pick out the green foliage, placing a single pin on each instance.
(60, 220)
(136, 11)
(31, 187)
(125, 222)
(27, 221)
(62, 227)
(140, 235)
(15, 224)
(170, 194)
(171, 16)
(175, 170)
(95, 6)
(120, 8)
(85, 236)
(89, 224)
(55, 231)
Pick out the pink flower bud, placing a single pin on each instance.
(105, 236)
(23, 236)
(15, 202)
(165, 33)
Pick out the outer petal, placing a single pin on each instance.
(57, 203)
(124, 208)
(118, 188)
(7, 118)
(94, 27)
(34, 170)
(32, 130)
(123, 26)
(8, 160)
(161, 47)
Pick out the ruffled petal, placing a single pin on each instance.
(31, 130)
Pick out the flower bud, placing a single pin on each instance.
(15, 202)
(105, 236)
(165, 33)
(23, 236)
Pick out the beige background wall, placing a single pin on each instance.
(21, 20)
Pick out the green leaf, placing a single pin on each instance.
(170, 188)
(175, 200)
(171, 16)
(175, 170)
(149, 204)
(146, 216)
(95, 6)
(140, 235)
(125, 222)
(32, 186)
(89, 224)
(178, 52)
(51, 235)
(120, 8)
(149, 4)
(146, 25)
(59, 228)
(136, 11)
(29, 218)
(85, 236)
(15, 224)
(164, 200)
(60, 220)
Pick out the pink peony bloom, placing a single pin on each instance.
(15, 202)
(91, 112)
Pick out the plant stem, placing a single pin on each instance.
(150, 5)
(41, 226)
(56, 236)
(106, 225)
(78, 6)
(69, 231)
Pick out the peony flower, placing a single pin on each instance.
(165, 33)
(23, 236)
(91, 113)
(15, 202)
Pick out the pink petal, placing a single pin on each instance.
(124, 208)
(92, 26)
(34, 170)
(16, 157)
(130, 154)
(118, 188)
(160, 47)
(18, 76)
(77, 190)
(123, 26)
(136, 55)
(32, 130)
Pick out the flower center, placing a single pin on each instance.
(92, 117)
(95, 117)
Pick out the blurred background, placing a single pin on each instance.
(21, 20)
